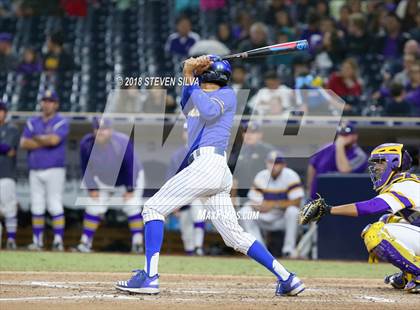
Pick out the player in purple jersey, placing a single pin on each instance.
(210, 108)
(45, 139)
(110, 169)
(343, 155)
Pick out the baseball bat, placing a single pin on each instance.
(276, 49)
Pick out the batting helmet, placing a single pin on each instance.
(395, 158)
(219, 71)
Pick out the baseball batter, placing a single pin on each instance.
(395, 238)
(45, 138)
(9, 141)
(192, 227)
(276, 193)
(210, 108)
(109, 163)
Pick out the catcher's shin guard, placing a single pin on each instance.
(381, 245)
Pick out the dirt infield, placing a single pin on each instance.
(39, 290)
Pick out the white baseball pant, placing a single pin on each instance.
(191, 237)
(406, 234)
(47, 190)
(8, 205)
(286, 221)
(114, 196)
(8, 202)
(207, 177)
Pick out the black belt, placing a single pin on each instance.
(197, 153)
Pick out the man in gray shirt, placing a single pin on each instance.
(250, 158)
(8, 61)
(9, 140)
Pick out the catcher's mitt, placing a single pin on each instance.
(313, 211)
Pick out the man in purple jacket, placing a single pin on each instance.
(45, 139)
(343, 155)
(110, 170)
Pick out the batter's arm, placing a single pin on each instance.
(209, 108)
(186, 102)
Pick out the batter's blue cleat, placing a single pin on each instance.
(291, 287)
(140, 283)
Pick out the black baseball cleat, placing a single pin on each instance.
(11, 244)
(397, 280)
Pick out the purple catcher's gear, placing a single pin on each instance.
(413, 286)
(387, 252)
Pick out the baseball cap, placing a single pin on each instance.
(3, 106)
(5, 37)
(50, 95)
(276, 157)
(346, 129)
(251, 126)
(98, 122)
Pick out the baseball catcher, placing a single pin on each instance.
(395, 238)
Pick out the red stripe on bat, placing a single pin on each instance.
(283, 46)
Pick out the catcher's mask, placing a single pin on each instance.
(219, 71)
(385, 161)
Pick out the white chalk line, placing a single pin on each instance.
(377, 299)
(198, 291)
(49, 284)
(93, 296)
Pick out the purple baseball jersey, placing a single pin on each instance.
(209, 116)
(413, 97)
(324, 162)
(104, 162)
(52, 156)
(181, 45)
